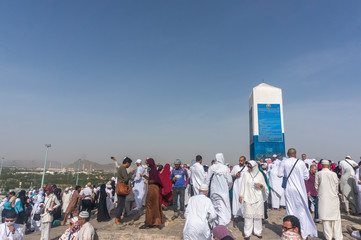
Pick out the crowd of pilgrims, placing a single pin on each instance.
(208, 198)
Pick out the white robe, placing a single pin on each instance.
(5, 233)
(38, 199)
(109, 200)
(187, 194)
(139, 187)
(86, 232)
(253, 196)
(275, 182)
(197, 177)
(326, 184)
(237, 207)
(199, 212)
(296, 195)
(3, 201)
(348, 185)
(309, 163)
(220, 186)
(359, 189)
(66, 200)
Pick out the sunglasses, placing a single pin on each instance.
(286, 228)
(10, 220)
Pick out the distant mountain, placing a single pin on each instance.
(85, 165)
(31, 164)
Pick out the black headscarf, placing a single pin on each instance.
(103, 193)
(22, 197)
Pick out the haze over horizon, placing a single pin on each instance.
(171, 79)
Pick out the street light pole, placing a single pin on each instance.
(46, 158)
(77, 175)
(1, 169)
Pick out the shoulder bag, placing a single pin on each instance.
(285, 179)
(122, 189)
(354, 168)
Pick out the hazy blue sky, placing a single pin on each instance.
(171, 79)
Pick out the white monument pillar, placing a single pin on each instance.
(266, 122)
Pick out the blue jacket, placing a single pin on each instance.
(182, 179)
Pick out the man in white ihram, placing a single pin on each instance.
(275, 182)
(348, 185)
(307, 161)
(326, 184)
(198, 176)
(295, 192)
(66, 199)
(139, 185)
(199, 213)
(238, 172)
(220, 179)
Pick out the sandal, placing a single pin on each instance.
(144, 227)
(348, 228)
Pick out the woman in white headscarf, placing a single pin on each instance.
(35, 219)
(254, 193)
(109, 199)
(220, 181)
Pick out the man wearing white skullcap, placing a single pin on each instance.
(326, 184)
(199, 212)
(139, 185)
(86, 229)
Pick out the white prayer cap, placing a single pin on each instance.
(348, 156)
(325, 162)
(84, 214)
(70, 187)
(74, 219)
(203, 187)
(274, 155)
(138, 161)
(66, 189)
(113, 178)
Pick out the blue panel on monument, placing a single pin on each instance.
(270, 139)
(262, 150)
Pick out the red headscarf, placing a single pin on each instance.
(153, 173)
(165, 178)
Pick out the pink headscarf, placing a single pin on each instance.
(49, 188)
(221, 231)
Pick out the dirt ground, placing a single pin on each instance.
(173, 229)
